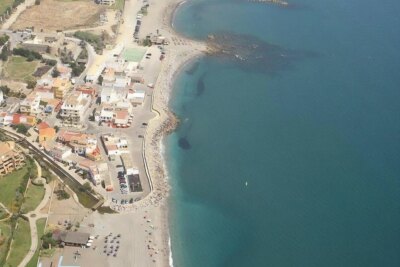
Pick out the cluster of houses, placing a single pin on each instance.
(58, 111)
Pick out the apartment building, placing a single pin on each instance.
(10, 158)
(30, 105)
(61, 87)
(74, 108)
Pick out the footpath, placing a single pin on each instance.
(33, 216)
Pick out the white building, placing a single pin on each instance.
(115, 145)
(74, 108)
(60, 152)
(128, 166)
(122, 81)
(109, 95)
(30, 105)
(97, 172)
(136, 96)
(94, 71)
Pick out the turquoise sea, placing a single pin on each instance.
(311, 125)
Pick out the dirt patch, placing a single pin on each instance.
(65, 212)
(52, 15)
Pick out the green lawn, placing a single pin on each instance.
(133, 54)
(40, 224)
(3, 213)
(33, 197)
(5, 231)
(21, 244)
(9, 185)
(4, 4)
(119, 4)
(18, 68)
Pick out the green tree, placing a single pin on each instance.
(55, 73)
(48, 241)
(4, 53)
(4, 39)
(5, 89)
(31, 83)
(21, 128)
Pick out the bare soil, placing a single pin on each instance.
(52, 15)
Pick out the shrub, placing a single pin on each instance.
(55, 73)
(21, 128)
(4, 53)
(30, 55)
(4, 39)
(62, 194)
(5, 89)
(48, 241)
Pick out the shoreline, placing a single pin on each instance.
(165, 122)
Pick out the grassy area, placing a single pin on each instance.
(3, 213)
(18, 68)
(119, 4)
(40, 224)
(10, 187)
(21, 244)
(47, 252)
(4, 4)
(33, 197)
(5, 232)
